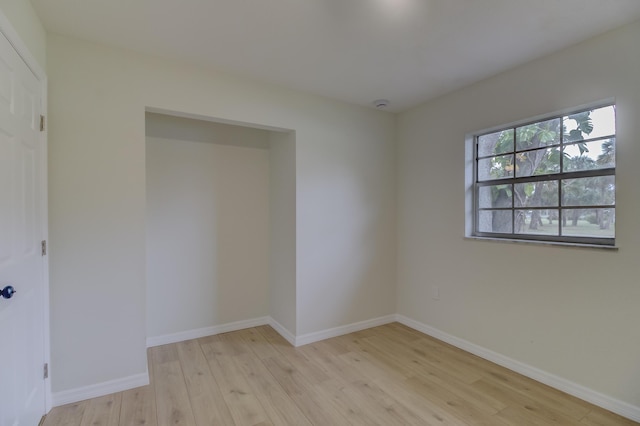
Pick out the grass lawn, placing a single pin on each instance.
(582, 229)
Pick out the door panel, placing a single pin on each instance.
(22, 386)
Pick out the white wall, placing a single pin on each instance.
(282, 249)
(345, 199)
(571, 312)
(207, 218)
(25, 21)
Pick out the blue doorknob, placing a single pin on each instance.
(8, 292)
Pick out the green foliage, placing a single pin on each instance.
(584, 122)
(505, 141)
(608, 155)
(529, 188)
(500, 190)
(537, 152)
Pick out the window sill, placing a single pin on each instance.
(543, 243)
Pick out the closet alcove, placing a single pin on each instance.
(220, 226)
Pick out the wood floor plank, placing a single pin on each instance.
(245, 408)
(392, 405)
(205, 396)
(459, 407)
(103, 411)
(173, 405)
(257, 343)
(462, 390)
(601, 417)
(233, 344)
(381, 406)
(529, 416)
(66, 415)
(394, 384)
(334, 346)
(162, 354)
(279, 406)
(336, 397)
(417, 359)
(426, 409)
(370, 367)
(397, 333)
(325, 348)
(541, 394)
(308, 400)
(380, 360)
(297, 358)
(272, 336)
(329, 363)
(370, 398)
(521, 403)
(443, 350)
(138, 407)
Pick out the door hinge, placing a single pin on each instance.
(42, 123)
(46, 371)
(44, 247)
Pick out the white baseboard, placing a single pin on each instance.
(608, 403)
(99, 389)
(305, 339)
(206, 331)
(288, 336)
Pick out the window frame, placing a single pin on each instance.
(558, 177)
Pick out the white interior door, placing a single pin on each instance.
(22, 383)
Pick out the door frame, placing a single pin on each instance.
(7, 29)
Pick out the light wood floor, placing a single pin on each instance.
(388, 375)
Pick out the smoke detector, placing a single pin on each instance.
(381, 103)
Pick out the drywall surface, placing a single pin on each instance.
(282, 237)
(567, 311)
(25, 21)
(346, 220)
(207, 223)
(345, 199)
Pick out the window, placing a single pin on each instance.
(550, 180)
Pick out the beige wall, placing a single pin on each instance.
(345, 199)
(207, 222)
(25, 21)
(570, 312)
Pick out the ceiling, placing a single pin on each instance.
(407, 51)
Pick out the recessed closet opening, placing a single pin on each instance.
(216, 195)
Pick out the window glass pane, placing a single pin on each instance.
(495, 196)
(574, 154)
(538, 222)
(536, 194)
(604, 122)
(537, 135)
(498, 221)
(538, 162)
(589, 222)
(590, 124)
(589, 155)
(495, 143)
(591, 191)
(495, 167)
